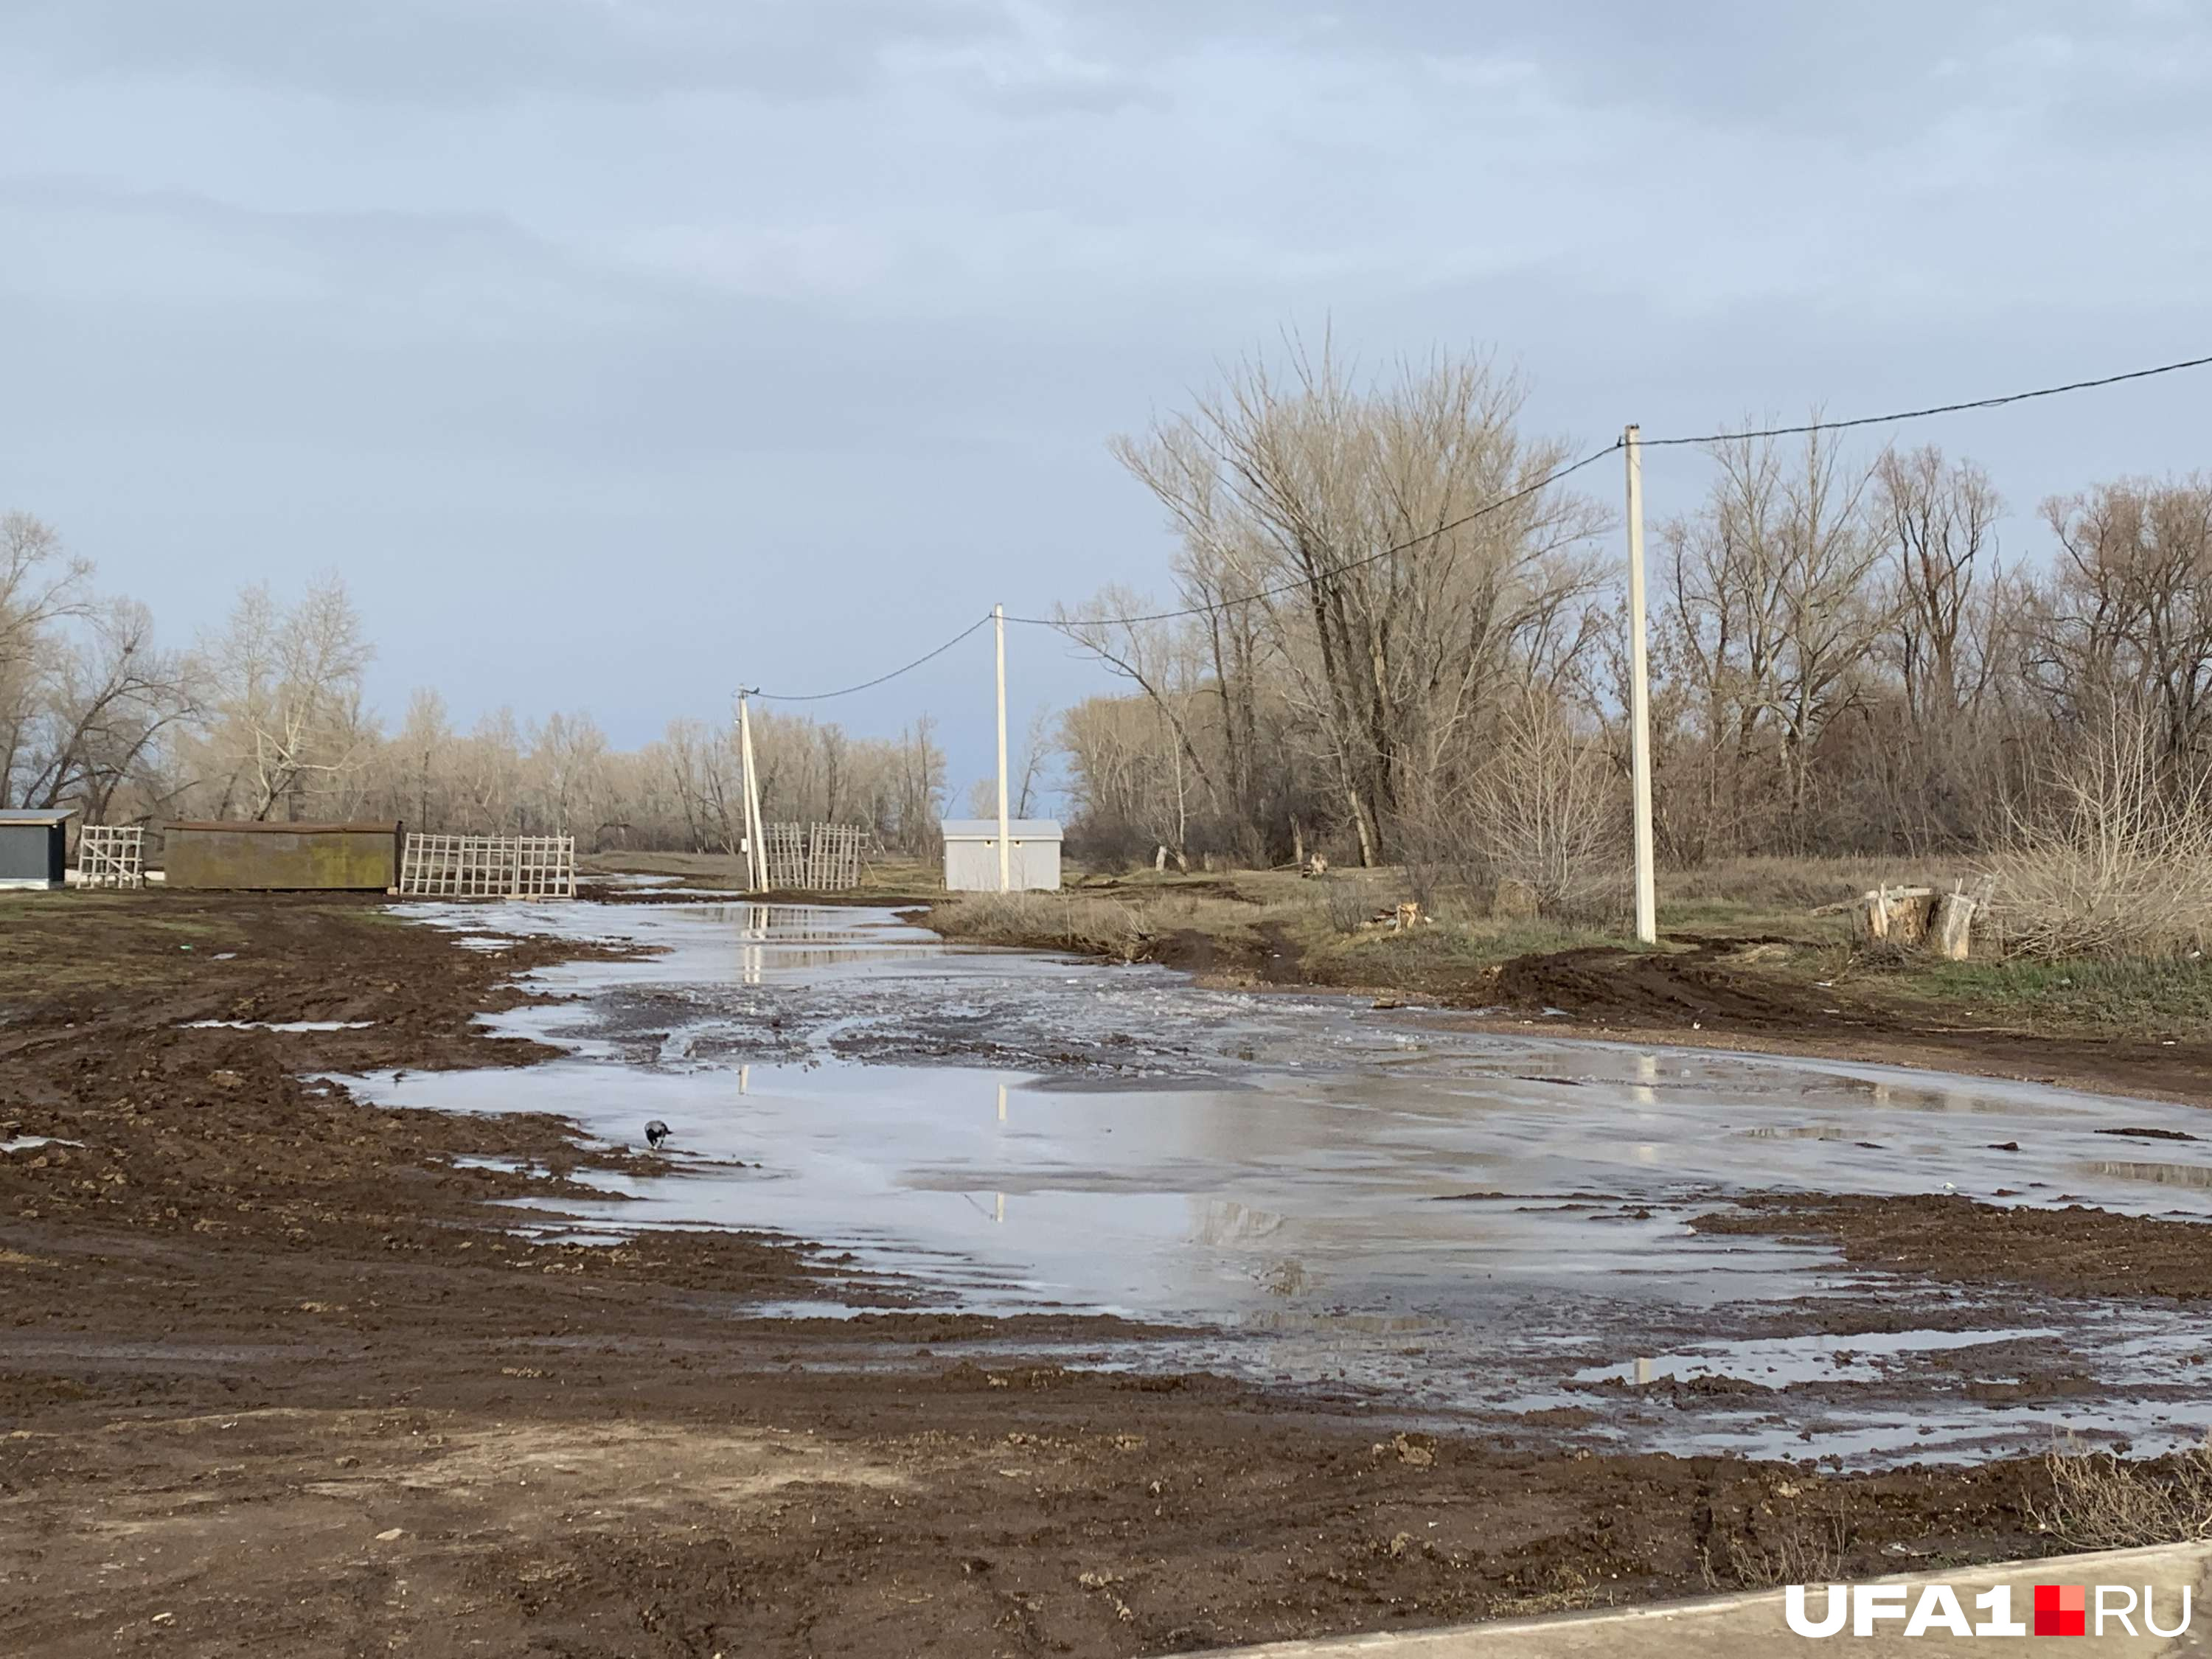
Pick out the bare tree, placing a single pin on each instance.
(1033, 761)
(286, 698)
(1400, 558)
(2129, 613)
(1773, 614)
(569, 754)
(1939, 521)
(40, 586)
(111, 700)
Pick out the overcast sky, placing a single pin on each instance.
(621, 349)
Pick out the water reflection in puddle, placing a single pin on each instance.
(2193, 1176)
(1458, 1222)
(1780, 1362)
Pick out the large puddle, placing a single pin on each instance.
(1470, 1227)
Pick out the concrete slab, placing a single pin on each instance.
(1754, 1627)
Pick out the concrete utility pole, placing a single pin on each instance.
(1640, 697)
(756, 842)
(1006, 824)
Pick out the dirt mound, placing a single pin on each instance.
(1638, 987)
(2075, 1251)
(1702, 996)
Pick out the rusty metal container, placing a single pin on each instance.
(283, 857)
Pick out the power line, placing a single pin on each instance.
(865, 685)
(1936, 409)
(1650, 443)
(1498, 505)
(1483, 511)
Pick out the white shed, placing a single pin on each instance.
(971, 854)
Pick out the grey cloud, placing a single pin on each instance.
(452, 51)
(1867, 70)
(498, 309)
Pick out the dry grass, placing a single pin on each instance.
(1802, 1548)
(1068, 921)
(2099, 1502)
(1790, 884)
(1328, 924)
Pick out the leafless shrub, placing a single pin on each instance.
(1800, 1548)
(1348, 905)
(2121, 865)
(1351, 898)
(2099, 1502)
(1547, 813)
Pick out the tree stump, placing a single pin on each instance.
(1955, 918)
(1898, 917)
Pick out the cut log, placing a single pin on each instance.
(1953, 938)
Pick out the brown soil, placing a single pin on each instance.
(275, 1378)
(1701, 998)
(2073, 1251)
(1703, 992)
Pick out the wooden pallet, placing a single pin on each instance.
(110, 855)
(489, 866)
(814, 857)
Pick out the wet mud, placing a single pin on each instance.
(1697, 998)
(1373, 1208)
(291, 1361)
(2073, 1250)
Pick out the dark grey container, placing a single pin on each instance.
(35, 847)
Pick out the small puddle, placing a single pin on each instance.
(278, 1025)
(1781, 1362)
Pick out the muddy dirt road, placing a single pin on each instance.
(286, 1366)
(1369, 1206)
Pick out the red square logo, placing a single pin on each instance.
(2062, 1609)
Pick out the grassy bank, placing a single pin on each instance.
(1269, 926)
(1740, 947)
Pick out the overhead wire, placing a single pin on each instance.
(880, 679)
(1545, 483)
(1068, 624)
(1934, 408)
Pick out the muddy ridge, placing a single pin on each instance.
(2073, 1250)
(1698, 995)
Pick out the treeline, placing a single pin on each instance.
(1396, 637)
(266, 718)
(1847, 655)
